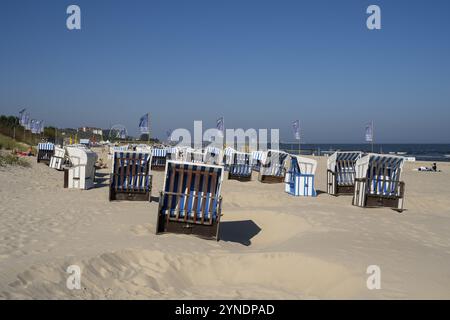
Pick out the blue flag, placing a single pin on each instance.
(369, 132)
(34, 125)
(296, 129)
(143, 124)
(22, 117)
(220, 125)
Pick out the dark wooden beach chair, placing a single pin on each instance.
(159, 159)
(190, 202)
(256, 160)
(45, 152)
(131, 176)
(240, 167)
(273, 167)
(377, 182)
(341, 172)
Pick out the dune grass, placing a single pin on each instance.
(12, 160)
(10, 144)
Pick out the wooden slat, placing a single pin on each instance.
(204, 191)
(195, 191)
(213, 194)
(133, 172)
(186, 198)
(177, 198)
(170, 196)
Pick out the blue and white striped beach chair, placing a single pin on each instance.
(173, 153)
(113, 149)
(191, 201)
(131, 176)
(377, 182)
(228, 157)
(300, 177)
(192, 155)
(213, 155)
(241, 167)
(45, 152)
(341, 172)
(272, 168)
(159, 159)
(257, 157)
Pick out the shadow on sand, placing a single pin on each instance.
(239, 231)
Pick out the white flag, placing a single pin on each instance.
(369, 132)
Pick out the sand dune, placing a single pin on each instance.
(273, 245)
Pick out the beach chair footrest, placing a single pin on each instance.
(129, 196)
(206, 231)
(345, 190)
(239, 177)
(382, 201)
(270, 179)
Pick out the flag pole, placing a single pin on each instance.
(148, 123)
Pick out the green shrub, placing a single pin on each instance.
(10, 144)
(12, 160)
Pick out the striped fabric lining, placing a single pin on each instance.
(46, 146)
(131, 171)
(213, 155)
(257, 155)
(343, 165)
(273, 164)
(348, 156)
(191, 191)
(159, 152)
(241, 165)
(384, 174)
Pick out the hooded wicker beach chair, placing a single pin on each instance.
(80, 174)
(190, 202)
(131, 176)
(257, 157)
(58, 158)
(272, 168)
(45, 152)
(213, 155)
(228, 157)
(240, 167)
(377, 182)
(159, 159)
(341, 172)
(192, 155)
(300, 177)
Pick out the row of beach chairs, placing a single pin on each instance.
(191, 203)
(77, 162)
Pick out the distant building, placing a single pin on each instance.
(91, 130)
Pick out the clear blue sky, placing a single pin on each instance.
(260, 64)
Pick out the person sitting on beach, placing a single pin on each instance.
(434, 167)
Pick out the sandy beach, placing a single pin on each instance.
(273, 245)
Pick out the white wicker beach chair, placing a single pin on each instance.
(377, 182)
